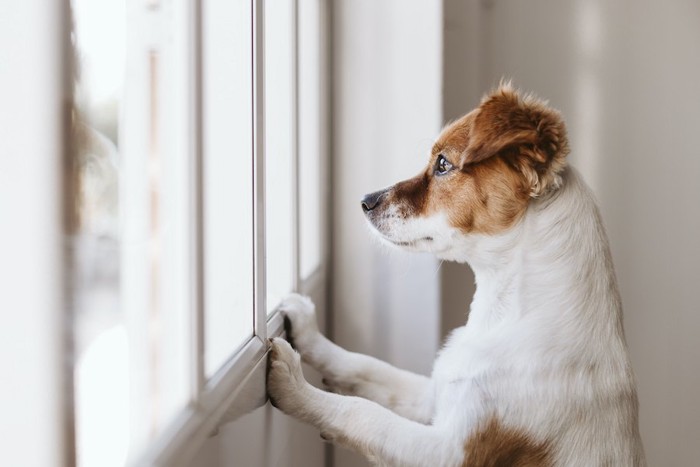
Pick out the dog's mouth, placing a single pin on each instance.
(388, 224)
(410, 242)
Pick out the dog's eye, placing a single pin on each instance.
(442, 165)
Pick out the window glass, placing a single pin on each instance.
(101, 342)
(228, 178)
(310, 142)
(279, 148)
(130, 262)
(136, 192)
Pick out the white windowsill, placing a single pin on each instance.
(236, 389)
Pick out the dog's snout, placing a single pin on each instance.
(372, 200)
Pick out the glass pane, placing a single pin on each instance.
(279, 148)
(130, 226)
(310, 143)
(102, 347)
(228, 178)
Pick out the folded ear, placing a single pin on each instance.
(525, 131)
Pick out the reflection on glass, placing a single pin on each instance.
(101, 345)
(131, 271)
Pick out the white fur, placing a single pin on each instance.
(543, 350)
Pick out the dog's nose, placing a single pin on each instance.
(372, 200)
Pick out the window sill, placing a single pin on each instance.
(235, 390)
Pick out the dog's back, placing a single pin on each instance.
(541, 367)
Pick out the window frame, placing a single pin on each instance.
(238, 386)
(211, 402)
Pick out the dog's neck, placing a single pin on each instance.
(554, 264)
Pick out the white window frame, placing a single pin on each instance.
(238, 386)
(38, 85)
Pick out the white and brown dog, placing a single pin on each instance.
(540, 373)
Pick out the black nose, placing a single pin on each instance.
(372, 200)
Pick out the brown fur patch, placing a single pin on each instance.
(488, 198)
(496, 446)
(507, 151)
(531, 135)
(412, 194)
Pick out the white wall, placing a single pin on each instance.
(387, 110)
(462, 91)
(625, 74)
(34, 92)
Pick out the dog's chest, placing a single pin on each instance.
(473, 369)
(466, 355)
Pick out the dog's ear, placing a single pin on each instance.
(526, 132)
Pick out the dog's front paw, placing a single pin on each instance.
(286, 385)
(300, 320)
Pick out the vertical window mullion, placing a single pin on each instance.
(258, 76)
(296, 282)
(197, 202)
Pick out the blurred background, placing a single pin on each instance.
(355, 99)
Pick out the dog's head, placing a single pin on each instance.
(483, 171)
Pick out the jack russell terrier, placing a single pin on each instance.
(540, 374)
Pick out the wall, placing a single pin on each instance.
(625, 74)
(35, 399)
(462, 91)
(386, 111)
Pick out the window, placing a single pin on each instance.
(197, 184)
(228, 172)
(280, 149)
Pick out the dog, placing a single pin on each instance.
(540, 374)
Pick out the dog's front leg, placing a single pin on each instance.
(408, 394)
(359, 424)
